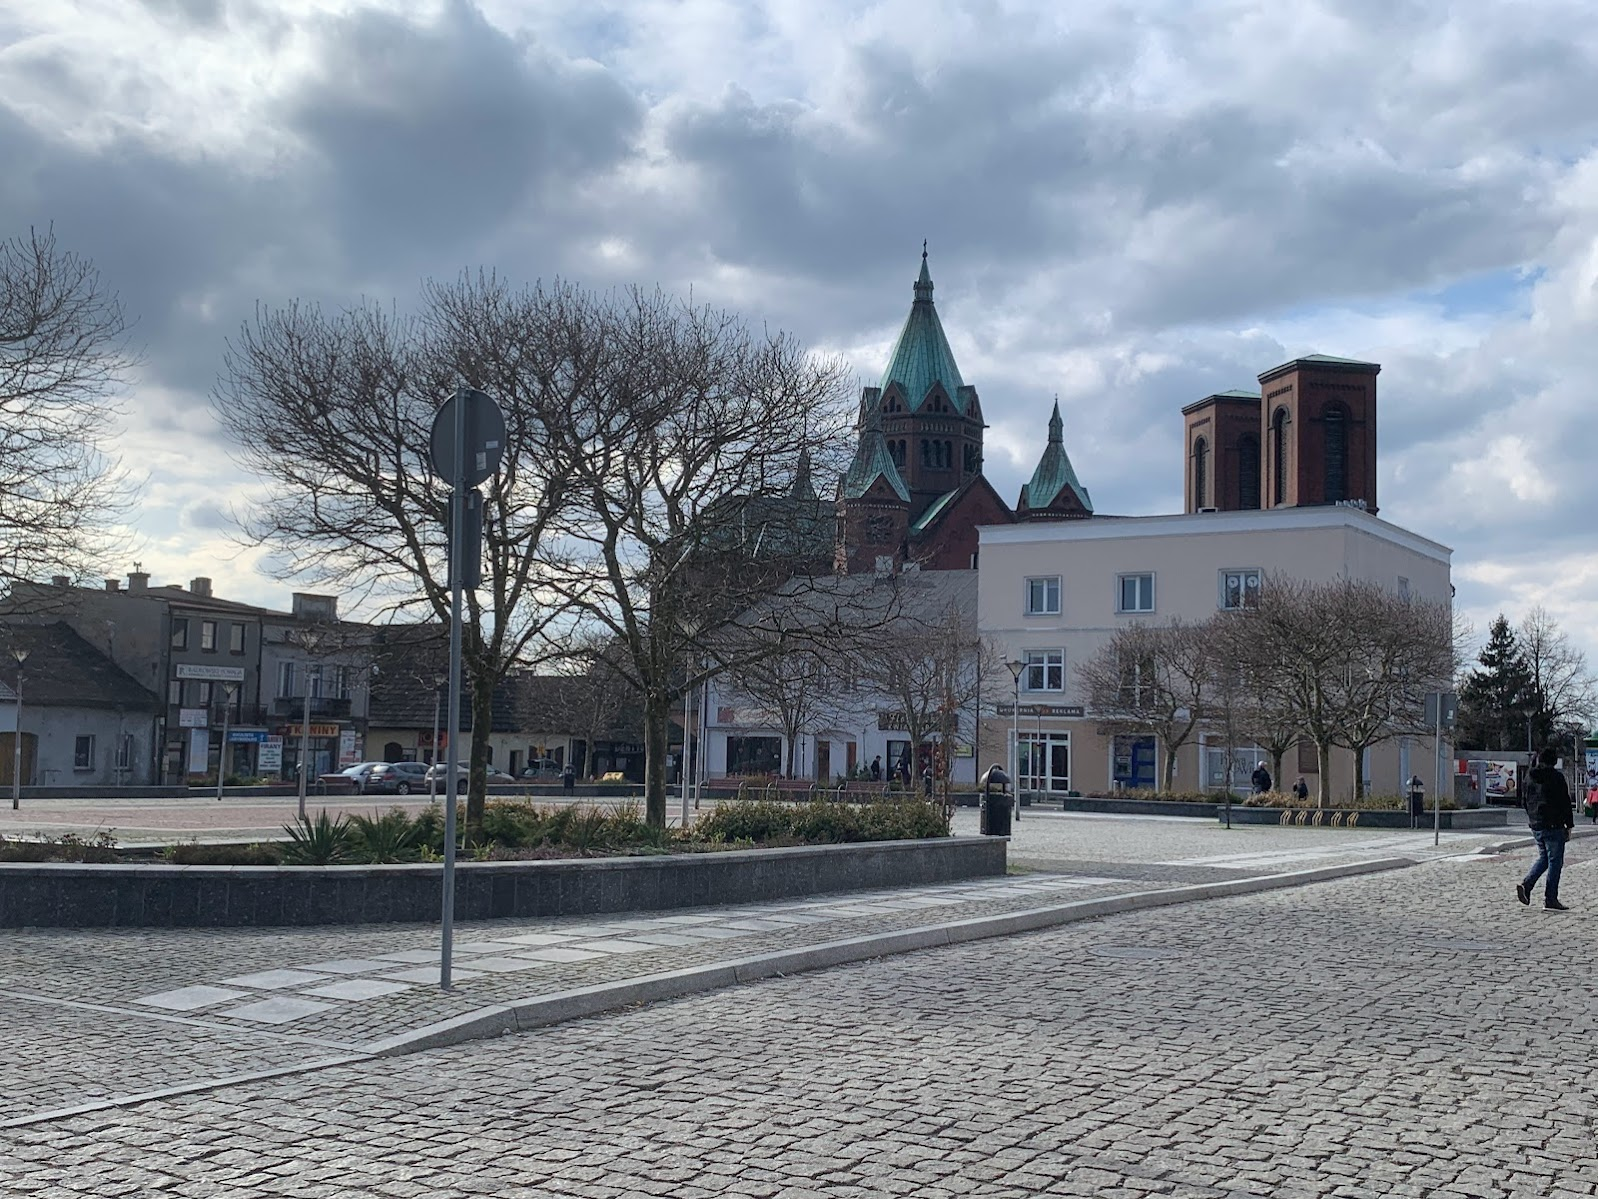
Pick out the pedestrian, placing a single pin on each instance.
(904, 771)
(1551, 817)
(876, 769)
(926, 781)
(1301, 789)
(1261, 779)
(568, 779)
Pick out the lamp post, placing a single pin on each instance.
(21, 655)
(432, 775)
(1016, 667)
(221, 754)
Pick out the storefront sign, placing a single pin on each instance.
(217, 674)
(270, 759)
(349, 748)
(192, 718)
(317, 730)
(1065, 711)
(246, 736)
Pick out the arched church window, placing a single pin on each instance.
(926, 452)
(1248, 471)
(1335, 418)
(1201, 464)
(948, 453)
(1279, 457)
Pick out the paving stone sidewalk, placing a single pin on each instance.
(1414, 1034)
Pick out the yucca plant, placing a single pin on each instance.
(391, 837)
(319, 842)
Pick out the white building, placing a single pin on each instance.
(1050, 595)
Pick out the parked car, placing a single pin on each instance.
(543, 768)
(350, 780)
(396, 778)
(440, 771)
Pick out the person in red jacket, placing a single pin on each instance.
(1551, 816)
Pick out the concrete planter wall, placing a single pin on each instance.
(61, 895)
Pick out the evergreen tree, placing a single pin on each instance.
(1497, 697)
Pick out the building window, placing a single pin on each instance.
(1043, 596)
(1136, 593)
(1335, 419)
(754, 755)
(202, 694)
(1248, 471)
(235, 639)
(180, 634)
(125, 752)
(1201, 462)
(285, 679)
(1239, 589)
(1403, 588)
(174, 693)
(1279, 457)
(1045, 670)
(208, 636)
(83, 753)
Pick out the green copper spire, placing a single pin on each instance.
(1054, 473)
(871, 458)
(921, 356)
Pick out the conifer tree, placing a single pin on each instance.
(1496, 698)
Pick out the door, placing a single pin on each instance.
(823, 761)
(8, 749)
(851, 758)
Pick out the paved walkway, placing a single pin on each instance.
(1413, 1033)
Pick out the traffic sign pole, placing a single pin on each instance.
(457, 511)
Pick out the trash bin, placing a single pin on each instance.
(1417, 802)
(995, 815)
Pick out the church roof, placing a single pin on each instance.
(1054, 473)
(871, 458)
(922, 357)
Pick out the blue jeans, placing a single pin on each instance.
(1550, 857)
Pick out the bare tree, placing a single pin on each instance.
(1561, 687)
(691, 445)
(332, 412)
(1151, 679)
(789, 691)
(63, 348)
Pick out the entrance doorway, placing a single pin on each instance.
(1133, 765)
(1045, 762)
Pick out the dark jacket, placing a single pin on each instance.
(1261, 780)
(1548, 799)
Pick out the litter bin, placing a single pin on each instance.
(1417, 801)
(994, 816)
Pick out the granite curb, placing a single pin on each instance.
(1576, 834)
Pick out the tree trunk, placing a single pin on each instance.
(477, 782)
(1276, 768)
(1170, 764)
(1323, 760)
(657, 722)
(1359, 774)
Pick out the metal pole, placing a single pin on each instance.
(702, 758)
(1437, 794)
(305, 738)
(16, 749)
(221, 754)
(432, 775)
(457, 534)
(1015, 722)
(686, 757)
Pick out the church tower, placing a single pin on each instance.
(1054, 492)
(931, 420)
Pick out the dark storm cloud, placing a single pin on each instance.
(431, 136)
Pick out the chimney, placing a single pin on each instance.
(60, 581)
(113, 584)
(200, 586)
(138, 580)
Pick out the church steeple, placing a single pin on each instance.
(921, 357)
(1054, 491)
(872, 461)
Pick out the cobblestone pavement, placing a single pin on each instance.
(147, 1009)
(1414, 1033)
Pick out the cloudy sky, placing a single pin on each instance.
(1129, 204)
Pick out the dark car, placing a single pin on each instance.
(542, 768)
(397, 778)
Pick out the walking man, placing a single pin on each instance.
(1261, 779)
(1551, 816)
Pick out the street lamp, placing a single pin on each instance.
(21, 655)
(228, 690)
(1016, 666)
(433, 775)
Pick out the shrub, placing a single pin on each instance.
(823, 821)
(514, 823)
(319, 842)
(69, 847)
(391, 837)
(745, 820)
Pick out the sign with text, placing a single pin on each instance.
(349, 748)
(192, 718)
(270, 759)
(216, 674)
(1066, 711)
(247, 736)
(199, 750)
